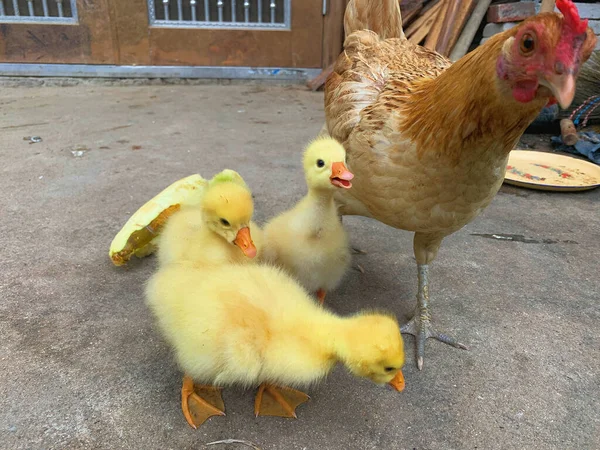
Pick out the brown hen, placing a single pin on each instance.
(428, 140)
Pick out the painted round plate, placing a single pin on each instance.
(551, 171)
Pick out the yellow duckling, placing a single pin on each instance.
(140, 234)
(253, 325)
(309, 241)
(205, 233)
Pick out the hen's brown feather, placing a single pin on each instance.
(382, 16)
(374, 74)
(427, 140)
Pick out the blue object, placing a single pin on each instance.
(585, 109)
(547, 114)
(588, 145)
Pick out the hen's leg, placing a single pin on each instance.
(277, 401)
(199, 402)
(420, 325)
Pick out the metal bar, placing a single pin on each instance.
(287, 13)
(220, 8)
(38, 20)
(259, 2)
(216, 14)
(201, 25)
(179, 10)
(111, 71)
(193, 9)
(74, 10)
(29, 15)
(166, 9)
(151, 12)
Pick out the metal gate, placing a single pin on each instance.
(223, 14)
(38, 11)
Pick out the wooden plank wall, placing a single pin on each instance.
(333, 31)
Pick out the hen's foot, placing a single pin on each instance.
(420, 327)
(357, 251)
(321, 293)
(276, 401)
(199, 402)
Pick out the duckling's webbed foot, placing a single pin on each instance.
(199, 402)
(420, 325)
(278, 401)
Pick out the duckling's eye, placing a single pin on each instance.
(527, 44)
(389, 369)
(225, 222)
(320, 163)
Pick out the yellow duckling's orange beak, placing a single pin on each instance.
(244, 241)
(340, 175)
(398, 381)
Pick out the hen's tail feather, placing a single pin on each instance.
(380, 16)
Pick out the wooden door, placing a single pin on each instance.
(254, 33)
(57, 31)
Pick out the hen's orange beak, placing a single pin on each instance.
(562, 87)
(244, 242)
(398, 381)
(340, 175)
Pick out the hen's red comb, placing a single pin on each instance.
(572, 19)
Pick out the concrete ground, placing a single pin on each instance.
(81, 365)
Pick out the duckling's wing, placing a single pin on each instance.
(137, 237)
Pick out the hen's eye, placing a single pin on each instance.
(527, 44)
(320, 163)
(389, 369)
(225, 222)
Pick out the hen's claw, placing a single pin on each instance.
(359, 268)
(422, 330)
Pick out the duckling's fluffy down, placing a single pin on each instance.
(243, 324)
